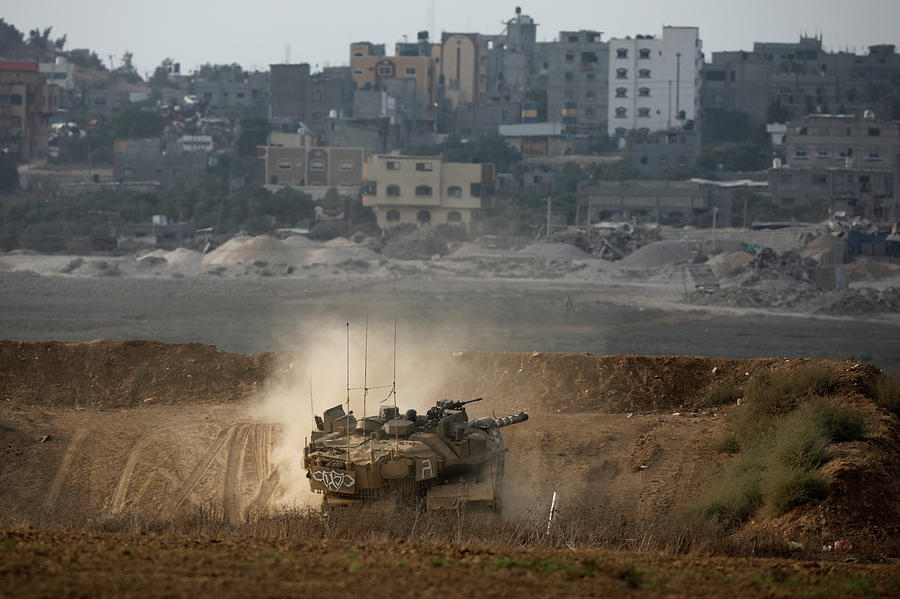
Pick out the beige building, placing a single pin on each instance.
(426, 190)
(419, 62)
(26, 104)
(315, 169)
(464, 67)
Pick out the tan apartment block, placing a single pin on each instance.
(426, 191)
(26, 104)
(369, 67)
(464, 67)
(314, 167)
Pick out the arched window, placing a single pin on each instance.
(644, 53)
(643, 112)
(393, 191)
(644, 73)
(644, 91)
(454, 217)
(393, 215)
(621, 53)
(621, 92)
(424, 216)
(423, 190)
(621, 112)
(621, 131)
(621, 73)
(454, 191)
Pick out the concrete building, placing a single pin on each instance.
(660, 201)
(666, 150)
(60, 72)
(107, 101)
(463, 67)
(829, 140)
(577, 76)
(426, 190)
(243, 91)
(416, 61)
(538, 139)
(737, 81)
(514, 57)
(27, 102)
(297, 94)
(821, 190)
(654, 83)
(157, 159)
(315, 169)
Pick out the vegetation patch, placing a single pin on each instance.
(720, 394)
(887, 393)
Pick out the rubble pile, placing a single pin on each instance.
(615, 242)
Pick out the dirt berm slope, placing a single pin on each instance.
(90, 430)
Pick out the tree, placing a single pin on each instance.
(10, 37)
(40, 39)
(160, 76)
(134, 122)
(214, 72)
(126, 70)
(254, 132)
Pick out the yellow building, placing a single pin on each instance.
(419, 61)
(425, 190)
(464, 67)
(26, 104)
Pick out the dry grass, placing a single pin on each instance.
(720, 394)
(887, 393)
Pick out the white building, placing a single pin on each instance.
(58, 72)
(654, 83)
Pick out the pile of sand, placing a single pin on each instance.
(868, 270)
(658, 253)
(294, 251)
(730, 263)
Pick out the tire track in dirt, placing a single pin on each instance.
(266, 492)
(118, 498)
(261, 449)
(202, 466)
(64, 465)
(234, 466)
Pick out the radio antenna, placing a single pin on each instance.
(394, 382)
(365, 372)
(348, 396)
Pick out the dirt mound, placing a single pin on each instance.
(554, 251)
(867, 270)
(113, 374)
(658, 253)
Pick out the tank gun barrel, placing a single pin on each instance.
(514, 419)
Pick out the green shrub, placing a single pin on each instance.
(887, 393)
(787, 487)
(770, 394)
(720, 394)
(727, 444)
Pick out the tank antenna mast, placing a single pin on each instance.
(348, 396)
(365, 371)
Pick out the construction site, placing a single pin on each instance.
(708, 412)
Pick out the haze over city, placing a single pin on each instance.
(265, 32)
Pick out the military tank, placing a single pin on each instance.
(441, 457)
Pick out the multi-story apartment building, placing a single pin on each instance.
(829, 140)
(654, 83)
(463, 67)
(578, 81)
(855, 190)
(426, 190)
(241, 90)
(296, 94)
(315, 169)
(417, 61)
(27, 102)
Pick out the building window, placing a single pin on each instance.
(621, 131)
(357, 71)
(621, 73)
(850, 179)
(570, 57)
(621, 53)
(589, 94)
(393, 165)
(621, 113)
(358, 54)
(393, 216)
(15, 100)
(370, 188)
(621, 92)
(874, 132)
(393, 191)
(643, 112)
(454, 191)
(644, 92)
(346, 165)
(385, 70)
(644, 73)
(475, 190)
(423, 166)
(317, 165)
(423, 191)
(644, 53)
(873, 156)
(424, 216)
(800, 155)
(410, 70)
(284, 164)
(4, 100)
(454, 217)
(823, 154)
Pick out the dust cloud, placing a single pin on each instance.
(314, 378)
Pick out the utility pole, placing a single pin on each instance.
(548, 214)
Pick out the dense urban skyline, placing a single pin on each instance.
(193, 34)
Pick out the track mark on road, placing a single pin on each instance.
(181, 494)
(234, 466)
(64, 465)
(118, 498)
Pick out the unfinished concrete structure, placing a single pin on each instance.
(829, 140)
(27, 102)
(659, 201)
